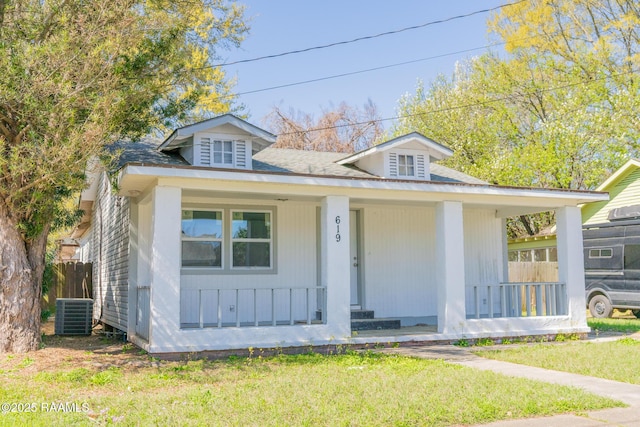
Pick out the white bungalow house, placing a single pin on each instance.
(213, 240)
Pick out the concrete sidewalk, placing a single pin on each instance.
(627, 393)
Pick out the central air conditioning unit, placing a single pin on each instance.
(73, 316)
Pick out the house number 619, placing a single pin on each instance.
(338, 228)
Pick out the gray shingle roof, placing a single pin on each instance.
(321, 163)
(445, 174)
(144, 151)
(305, 162)
(280, 160)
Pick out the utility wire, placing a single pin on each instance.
(335, 76)
(387, 33)
(457, 107)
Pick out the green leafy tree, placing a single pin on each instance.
(559, 110)
(75, 76)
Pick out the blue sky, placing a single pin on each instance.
(284, 25)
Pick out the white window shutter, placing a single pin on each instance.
(393, 164)
(205, 151)
(241, 154)
(420, 169)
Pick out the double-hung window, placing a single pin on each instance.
(251, 239)
(202, 236)
(406, 166)
(227, 239)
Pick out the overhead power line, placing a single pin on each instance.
(367, 70)
(457, 107)
(358, 39)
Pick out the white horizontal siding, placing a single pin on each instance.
(399, 261)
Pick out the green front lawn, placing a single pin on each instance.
(351, 389)
(627, 324)
(618, 360)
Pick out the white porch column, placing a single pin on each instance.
(571, 262)
(334, 255)
(165, 266)
(450, 267)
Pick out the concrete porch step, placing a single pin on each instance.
(364, 320)
(361, 314)
(374, 324)
(355, 314)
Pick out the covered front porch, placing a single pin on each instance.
(437, 266)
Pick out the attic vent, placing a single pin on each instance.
(205, 151)
(73, 316)
(241, 154)
(393, 164)
(420, 166)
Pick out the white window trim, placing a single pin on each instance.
(249, 240)
(209, 139)
(406, 165)
(205, 239)
(227, 240)
(222, 152)
(419, 163)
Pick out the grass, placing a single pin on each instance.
(617, 360)
(350, 389)
(626, 326)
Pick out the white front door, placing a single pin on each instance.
(354, 257)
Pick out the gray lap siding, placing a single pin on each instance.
(110, 251)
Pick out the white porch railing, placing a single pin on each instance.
(242, 307)
(518, 300)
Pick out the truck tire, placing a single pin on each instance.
(600, 306)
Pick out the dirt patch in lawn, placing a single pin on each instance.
(97, 351)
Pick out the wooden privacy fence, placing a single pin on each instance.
(533, 272)
(70, 280)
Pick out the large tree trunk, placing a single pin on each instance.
(21, 268)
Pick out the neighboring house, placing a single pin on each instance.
(213, 240)
(623, 187)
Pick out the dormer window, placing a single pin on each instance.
(406, 166)
(406, 157)
(220, 142)
(222, 153)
